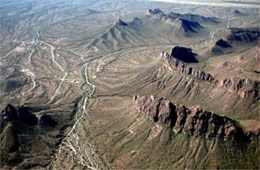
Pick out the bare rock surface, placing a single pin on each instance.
(243, 87)
(192, 121)
(175, 64)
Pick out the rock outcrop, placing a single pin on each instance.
(21, 138)
(182, 24)
(243, 87)
(19, 114)
(194, 121)
(243, 36)
(175, 64)
(195, 17)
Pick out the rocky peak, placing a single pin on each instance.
(222, 43)
(183, 24)
(193, 121)
(121, 23)
(156, 109)
(155, 12)
(194, 17)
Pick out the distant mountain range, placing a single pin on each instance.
(155, 28)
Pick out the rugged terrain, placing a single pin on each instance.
(74, 76)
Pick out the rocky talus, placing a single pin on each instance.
(192, 121)
(243, 87)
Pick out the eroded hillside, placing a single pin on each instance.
(69, 71)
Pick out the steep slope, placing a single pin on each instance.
(195, 18)
(153, 29)
(243, 35)
(136, 142)
(242, 86)
(28, 140)
(249, 60)
(176, 138)
(220, 47)
(193, 121)
(182, 25)
(234, 40)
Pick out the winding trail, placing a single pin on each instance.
(57, 90)
(34, 84)
(30, 57)
(36, 41)
(53, 55)
(81, 151)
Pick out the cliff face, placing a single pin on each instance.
(243, 87)
(193, 121)
(175, 64)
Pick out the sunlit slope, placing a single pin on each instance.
(144, 73)
(126, 139)
(150, 30)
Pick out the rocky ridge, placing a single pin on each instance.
(243, 87)
(21, 134)
(183, 24)
(222, 43)
(195, 17)
(221, 47)
(175, 64)
(193, 121)
(243, 35)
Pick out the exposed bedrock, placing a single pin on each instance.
(183, 23)
(175, 64)
(193, 121)
(243, 87)
(243, 35)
